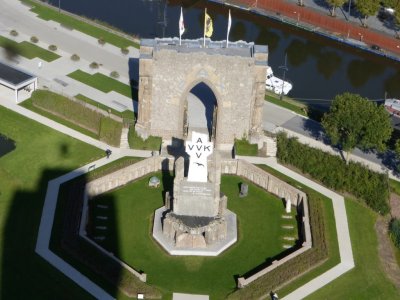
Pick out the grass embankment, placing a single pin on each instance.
(243, 147)
(41, 154)
(136, 142)
(27, 49)
(102, 82)
(46, 13)
(367, 280)
(75, 115)
(260, 237)
(126, 114)
(287, 103)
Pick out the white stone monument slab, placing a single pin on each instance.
(198, 149)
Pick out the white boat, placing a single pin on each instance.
(276, 84)
(393, 106)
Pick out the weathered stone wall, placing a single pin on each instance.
(167, 76)
(265, 180)
(127, 174)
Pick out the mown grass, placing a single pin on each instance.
(136, 142)
(126, 114)
(27, 49)
(287, 103)
(41, 155)
(102, 82)
(243, 147)
(367, 280)
(260, 237)
(47, 13)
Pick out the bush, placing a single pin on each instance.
(53, 47)
(94, 65)
(14, 32)
(75, 57)
(101, 41)
(332, 171)
(34, 39)
(114, 74)
(124, 51)
(394, 229)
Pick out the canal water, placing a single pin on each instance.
(319, 68)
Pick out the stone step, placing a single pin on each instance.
(289, 238)
(285, 246)
(100, 238)
(287, 217)
(124, 144)
(101, 227)
(101, 217)
(102, 206)
(287, 226)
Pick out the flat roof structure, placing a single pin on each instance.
(16, 79)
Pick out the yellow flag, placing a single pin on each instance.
(208, 26)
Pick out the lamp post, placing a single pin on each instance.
(285, 69)
(349, 7)
(59, 6)
(298, 17)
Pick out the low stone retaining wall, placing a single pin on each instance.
(281, 189)
(237, 167)
(128, 174)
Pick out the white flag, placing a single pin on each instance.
(181, 25)
(229, 28)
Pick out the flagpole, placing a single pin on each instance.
(180, 36)
(227, 32)
(204, 37)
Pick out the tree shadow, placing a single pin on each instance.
(323, 4)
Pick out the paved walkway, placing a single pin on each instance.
(342, 228)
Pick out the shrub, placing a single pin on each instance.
(53, 47)
(124, 50)
(101, 41)
(394, 229)
(75, 57)
(332, 171)
(34, 39)
(94, 65)
(114, 74)
(14, 32)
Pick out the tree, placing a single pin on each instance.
(354, 121)
(367, 8)
(334, 4)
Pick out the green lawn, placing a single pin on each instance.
(287, 103)
(40, 155)
(102, 82)
(367, 280)
(47, 13)
(27, 49)
(128, 235)
(243, 147)
(126, 114)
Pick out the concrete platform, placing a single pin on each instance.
(179, 296)
(212, 250)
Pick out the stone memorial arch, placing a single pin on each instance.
(168, 72)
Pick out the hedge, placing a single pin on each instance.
(106, 129)
(331, 170)
(299, 264)
(394, 229)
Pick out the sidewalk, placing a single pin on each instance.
(314, 17)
